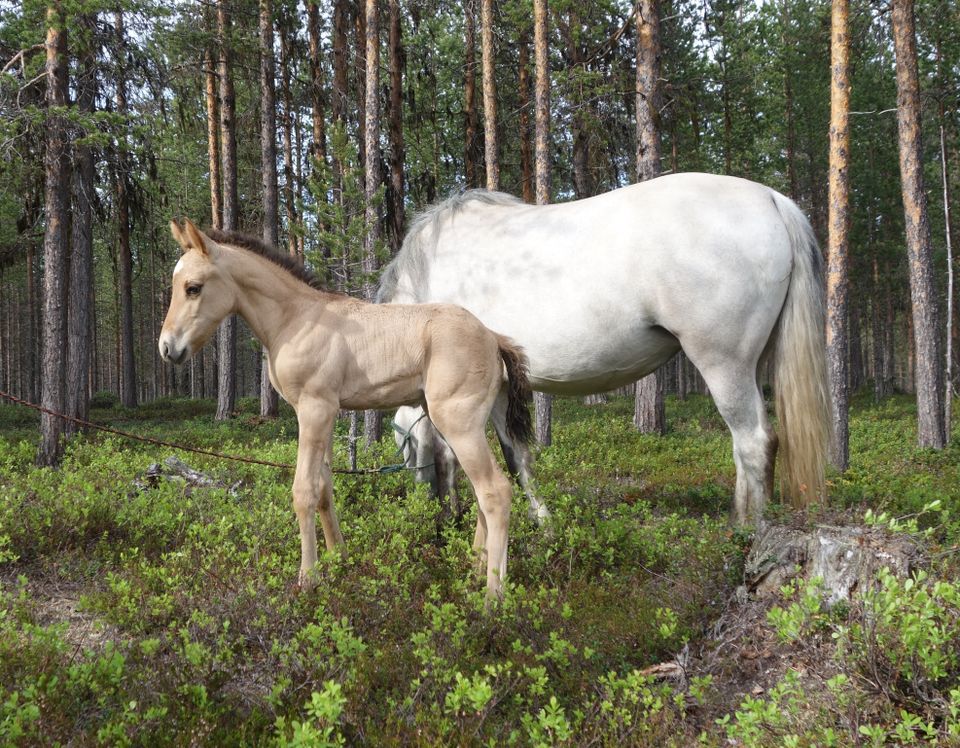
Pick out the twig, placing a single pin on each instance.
(21, 55)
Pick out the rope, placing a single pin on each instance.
(386, 469)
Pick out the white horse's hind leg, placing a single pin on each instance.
(519, 460)
(740, 402)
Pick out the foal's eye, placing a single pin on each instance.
(194, 290)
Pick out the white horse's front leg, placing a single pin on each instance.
(313, 485)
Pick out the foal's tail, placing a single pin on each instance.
(800, 366)
(519, 425)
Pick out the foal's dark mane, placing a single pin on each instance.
(293, 265)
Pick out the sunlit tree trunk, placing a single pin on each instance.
(269, 400)
(543, 405)
(926, 329)
(648, 414)
(372, 426)
(227, 336)
(55, 238)
(489, 96)
(470, 119)
(838, 277)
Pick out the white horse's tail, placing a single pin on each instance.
(800, 367)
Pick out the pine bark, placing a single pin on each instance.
(543, 403)
(227, 336)
(648, 414)
(926, 329)
(488, 53)
(397, 200)
(81, 286)
(838, 274)
(372, 426)
(318, 147)
(213, 137)
(128, 370)
(55, 238)
(526, 146)
(289, 179)
(269, 400)
(470, 117)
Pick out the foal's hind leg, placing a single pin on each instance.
(519, 460)
(740, 402)
(491, 486)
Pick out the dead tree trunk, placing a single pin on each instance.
(838, 276)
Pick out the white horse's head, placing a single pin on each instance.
(201, 297)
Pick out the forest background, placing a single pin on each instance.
(259, 117)
(137, 610)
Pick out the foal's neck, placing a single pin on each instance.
(268, 297)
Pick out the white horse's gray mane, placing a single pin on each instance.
(423, 233)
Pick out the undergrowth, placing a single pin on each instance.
(159, 616)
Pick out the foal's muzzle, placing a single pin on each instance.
(170, 352)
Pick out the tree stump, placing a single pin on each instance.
(846, 558)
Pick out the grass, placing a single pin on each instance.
(163, 616)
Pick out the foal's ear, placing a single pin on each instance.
(196, 239)
(179, 236)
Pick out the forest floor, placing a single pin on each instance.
(168, 614)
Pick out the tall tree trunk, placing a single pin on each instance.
(128, 371)
(543, 404)
(838, 274)
(55, 238)
(360, 32)
(338, 108)
(397, 211)
(269, 400)
(945, 180)
(470, 95)
(526, 146)
(581, 141)
(929, 372)
(213, 138)
(81, 287)
(489, 96)
(319, 146)
(948, 358)
(227, 336)
(791, 135)
(372, 426)
(289, 191)
(648, 414)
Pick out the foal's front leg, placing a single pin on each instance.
(313, 485)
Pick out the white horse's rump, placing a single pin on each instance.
(600, 292)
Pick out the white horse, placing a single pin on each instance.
(602, 291)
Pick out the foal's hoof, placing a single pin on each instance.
(306, 582)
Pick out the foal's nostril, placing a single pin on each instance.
(164, 350)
